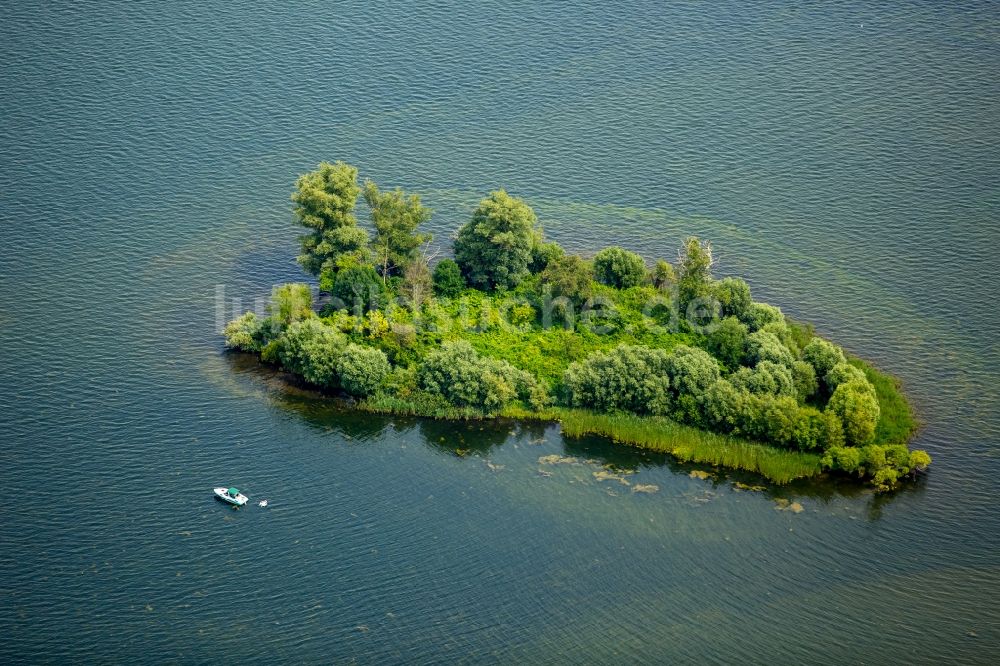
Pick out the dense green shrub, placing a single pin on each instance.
(401, 381)
(619, 268)
(627, 378)
(494, 248)
(543, 254)
(448, 280)
(766, 378)
(919, 460)
(843, 459)
(458, 373)
(885, 478)
(522, 315)
(728, 342)
(759, 315)
(884, 464)
(359, 288)
(568, 276)
(805, 380)
(726, 407)
(310, 348)
(289, 303)
(822, 356)
(663, 276)
(245, 333)
(781, 420)
(857, 407)
(897, 455)
(815, 430)
(843, 373)
(775, 418)
(692, 371)
(782, 331)
(733, 295)
(764, 416)
(462, 376)
(765, 346)
(362, 370)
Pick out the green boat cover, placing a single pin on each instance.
(233, 491)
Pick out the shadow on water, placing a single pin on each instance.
(325, 412)
(331, 413)
(463, 438)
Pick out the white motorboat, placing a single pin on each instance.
(231, 496)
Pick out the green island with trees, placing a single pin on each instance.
(666, 357)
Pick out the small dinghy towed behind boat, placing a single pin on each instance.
(231, 496)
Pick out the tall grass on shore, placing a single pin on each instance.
(690, 444)
(896, 422)
(419, 405)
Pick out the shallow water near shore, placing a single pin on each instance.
(844, 160)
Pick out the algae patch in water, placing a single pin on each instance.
(782, 504)
(604, 475)
(556, 459)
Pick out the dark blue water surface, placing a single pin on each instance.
(845, 159)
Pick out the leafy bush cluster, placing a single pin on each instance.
(448, 280)
(246, 333)
(619, 268)
(310, 347)
(514, 322)
(463, 377)
(687, 385)
(885, 464)
(627, 378)
(568, 276)
(769, 393)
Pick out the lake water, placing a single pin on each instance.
(845, 160)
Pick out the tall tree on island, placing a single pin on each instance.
(694, 271)
(494, 249)
(396, 217)
(324, 203)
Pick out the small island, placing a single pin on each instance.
(662, 356)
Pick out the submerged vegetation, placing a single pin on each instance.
(664, 357)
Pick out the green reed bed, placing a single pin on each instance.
(690, 444)
(419, 405)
